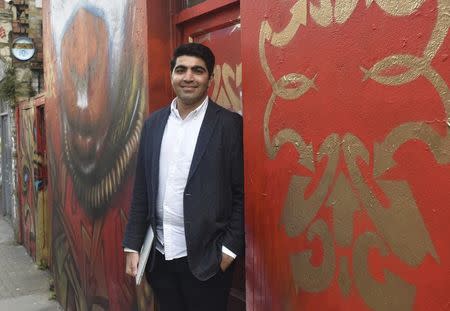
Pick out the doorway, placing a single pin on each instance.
(216, 24)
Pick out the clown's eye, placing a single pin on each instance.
(293, 85)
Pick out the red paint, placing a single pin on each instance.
(225, 88)
(159, 53)
(204, 8)
(204, 24)
(341, 103)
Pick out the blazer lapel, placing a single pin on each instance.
(204, 136)
(156, 150)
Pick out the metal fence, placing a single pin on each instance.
(6, 173)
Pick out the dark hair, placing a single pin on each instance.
(195, 49)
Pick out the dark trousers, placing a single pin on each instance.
(177, 289)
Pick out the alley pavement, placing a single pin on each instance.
(23, 287)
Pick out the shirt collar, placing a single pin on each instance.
(195, 112)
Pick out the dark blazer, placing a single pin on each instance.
(214, 193)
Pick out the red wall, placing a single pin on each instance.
(347, 150)
(159, 53)
(347, 154)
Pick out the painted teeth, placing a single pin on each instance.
(98, 195)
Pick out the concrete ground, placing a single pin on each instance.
(23, 287)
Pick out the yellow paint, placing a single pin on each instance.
(223, 91)
(43, 236)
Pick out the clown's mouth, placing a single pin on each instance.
(99, 164)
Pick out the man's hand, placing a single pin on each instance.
(226, 262)
(132, 260)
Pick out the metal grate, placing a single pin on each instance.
(6, 166)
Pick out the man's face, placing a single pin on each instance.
(190, 80)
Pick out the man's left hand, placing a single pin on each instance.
(226, 262)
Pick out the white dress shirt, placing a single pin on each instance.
(177, 148)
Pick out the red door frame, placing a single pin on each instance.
(195, 21)
(203, 17)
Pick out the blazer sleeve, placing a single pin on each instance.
(234, 235)
(137, 225)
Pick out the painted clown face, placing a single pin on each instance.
(101, 93)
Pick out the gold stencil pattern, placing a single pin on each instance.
(225, 82)
(349, 194)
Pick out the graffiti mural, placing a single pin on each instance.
(96, 82)
(356, 131)
(26, 172)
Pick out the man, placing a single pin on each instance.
(189, 189)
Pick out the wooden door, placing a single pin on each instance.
(43, 213)
(27, 198)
